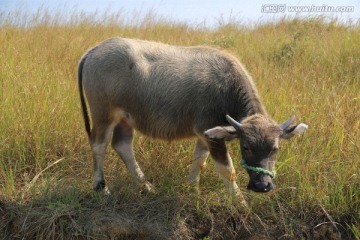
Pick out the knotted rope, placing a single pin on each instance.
(258, 169)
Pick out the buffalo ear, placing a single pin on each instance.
(293, 130)
(221, 133)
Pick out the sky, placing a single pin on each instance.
(195, 12)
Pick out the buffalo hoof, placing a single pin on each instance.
(149, 187)
(101, 188)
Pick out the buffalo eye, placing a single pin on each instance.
(246, 148)
(274, 150)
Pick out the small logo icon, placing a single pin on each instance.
(273, 8)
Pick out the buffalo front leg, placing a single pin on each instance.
(224, 166)
(199, 162)
(122, 142)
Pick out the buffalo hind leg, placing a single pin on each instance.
(224, 167)
(100, 138)
(199, 162)
(122, 142)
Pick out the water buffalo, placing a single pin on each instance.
(172, 92)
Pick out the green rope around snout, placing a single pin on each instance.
(258, 169)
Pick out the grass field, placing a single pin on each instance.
(309, 68)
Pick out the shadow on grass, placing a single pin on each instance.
(73, 212)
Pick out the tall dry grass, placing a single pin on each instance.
(309, 68)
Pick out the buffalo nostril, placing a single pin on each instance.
(263, 186)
